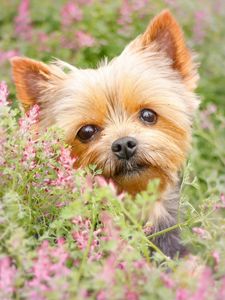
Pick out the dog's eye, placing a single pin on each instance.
(148, 116)
(87, 132)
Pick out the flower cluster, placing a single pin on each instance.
(48, 268)
(30, 119)
(65, 172)
(7, 278)
(23, 26)
(6, 55)
(84, 238)
(3, 94)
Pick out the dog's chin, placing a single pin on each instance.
(131, 178)
(129, 171)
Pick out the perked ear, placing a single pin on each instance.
(30, 77)
(167, 37)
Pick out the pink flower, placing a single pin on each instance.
(202, 233)
(82, 234)
(3, 93)
(48, 270)
(219, 205)
(102, 182)
(65, 173)
(200, 26)
(23, 26)
(65, 159)
(2, 148)
(128, 8)
(168, 282)
(102, 295)
(7, 278)
(29, 153)
(205, 284)
(139, 4)
(48, 149)
(109, 229)
(221, 291)
(140, 264)
(30, 119)
(4, 56)
(126, 11)
(216, 257)
(109, 268)
(205, 116)
(70, 13)
(131, 295)
(89, 181)
(84, 39)
(182, 294)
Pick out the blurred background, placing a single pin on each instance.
(82, 32)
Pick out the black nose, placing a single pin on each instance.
(124, 148)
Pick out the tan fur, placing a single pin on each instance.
(155, 71)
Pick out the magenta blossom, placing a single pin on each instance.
(5, 56)
(126, 11)
(48, 270)
(70, 13)
(128, 8)
(167, 280)
(131, 295)
(29, 154)
(3, 94)
(65, 173)
(7, 278)
(200, 26)
(30, 119)
(182, 294)
(84, 39)
(82, 235)
(216, 257)
(221, 292)
(205, 284)
(23, 28)
(202, 233)
(205, 115)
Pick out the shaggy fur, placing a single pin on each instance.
(155, 71)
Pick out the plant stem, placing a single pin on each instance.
(139, 227)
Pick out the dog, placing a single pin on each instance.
(131, 117)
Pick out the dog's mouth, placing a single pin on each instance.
(129, 169)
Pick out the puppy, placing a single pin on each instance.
(131, 117)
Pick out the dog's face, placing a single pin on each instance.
(132, 116)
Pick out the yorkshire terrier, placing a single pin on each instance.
(131, 117)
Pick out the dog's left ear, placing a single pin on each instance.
(35, 81)
(168, 38)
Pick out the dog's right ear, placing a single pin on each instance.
(166, 35)
(31, 79)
